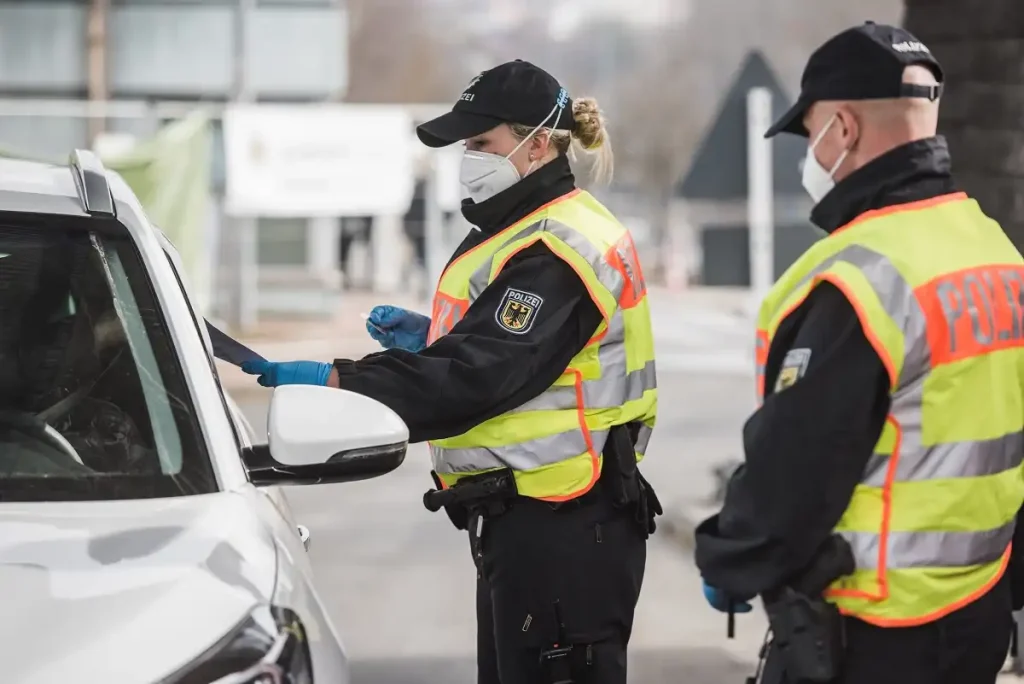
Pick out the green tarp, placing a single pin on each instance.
(170, 174)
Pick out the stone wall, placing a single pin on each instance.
(980, 44)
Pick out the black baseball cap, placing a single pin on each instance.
(862, 63)
(513, 92)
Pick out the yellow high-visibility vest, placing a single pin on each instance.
(554, 442)
(939, 291)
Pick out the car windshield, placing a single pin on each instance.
(93, 402)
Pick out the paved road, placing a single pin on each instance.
(398, 581)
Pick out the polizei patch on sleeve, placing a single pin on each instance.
(518, 310)
(793, 368)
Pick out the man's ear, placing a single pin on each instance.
(849, 127)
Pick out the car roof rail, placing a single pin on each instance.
(91, 182)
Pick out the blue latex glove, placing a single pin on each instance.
(398, 328)
(719, 600)
(274, 374)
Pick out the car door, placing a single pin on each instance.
(276, 495)
(244, 432)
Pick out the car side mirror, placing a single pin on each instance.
(320, 435)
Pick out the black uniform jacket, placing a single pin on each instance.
(807, 447)
(481, 369)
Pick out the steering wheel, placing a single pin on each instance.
(40, 429)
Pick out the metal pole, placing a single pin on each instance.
(96, 37)
(241, 82)
(248, 257)
(433, 230)
(760, 210)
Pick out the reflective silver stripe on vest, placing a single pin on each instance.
(481, 277)
(615, 386)
(643, 438)
(950, 460)
(931, 549)
(521, 456)
(897, 298)
(608, 275)
(916, 461)
(608, 392)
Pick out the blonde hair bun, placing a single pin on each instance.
(589, 129)
(589, 137)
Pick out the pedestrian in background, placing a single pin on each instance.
(354, 229)
(534, 380)
(883, 467)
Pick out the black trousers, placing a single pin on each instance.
(968, 646)
(585, 555)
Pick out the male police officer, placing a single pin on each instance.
(891, 367)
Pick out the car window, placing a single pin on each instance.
(93, 403)
(174, 260)
(236, 426)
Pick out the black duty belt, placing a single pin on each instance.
(476, 497)
(474, 491)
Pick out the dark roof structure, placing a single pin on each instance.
(719, 168)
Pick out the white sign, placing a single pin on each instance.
(449, 190)
(317, 160)
(109, 144)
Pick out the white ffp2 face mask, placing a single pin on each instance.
(817, 180)
(484, 174)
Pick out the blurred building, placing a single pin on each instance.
(712, 211)
(141, 56)
(982, 114)
(153, 50)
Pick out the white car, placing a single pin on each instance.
(142, 538)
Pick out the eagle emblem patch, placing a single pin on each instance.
(793, 368)
(518, 310)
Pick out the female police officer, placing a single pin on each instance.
(534, 380)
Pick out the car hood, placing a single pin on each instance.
(125, 591)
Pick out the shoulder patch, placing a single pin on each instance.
(517, 311)
(793, 368)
